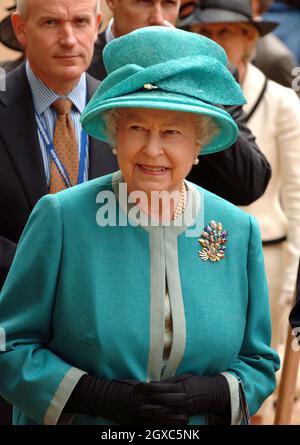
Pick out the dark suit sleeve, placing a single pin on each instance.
(240, 173)
(7, 253)
(97, 68)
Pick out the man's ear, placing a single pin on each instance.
(98, 23)
(112, 4)
(18, 24)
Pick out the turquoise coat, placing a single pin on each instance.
(85, 298)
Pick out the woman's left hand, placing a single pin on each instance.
(203, 394)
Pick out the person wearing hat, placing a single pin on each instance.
(272, 57)
(54, 70)
(142, 298)
(243, 160)
(273, 115)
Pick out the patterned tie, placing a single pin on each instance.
(65, 144)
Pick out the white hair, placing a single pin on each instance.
(206, 127)
(22, 7)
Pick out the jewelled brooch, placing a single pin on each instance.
(213, 241)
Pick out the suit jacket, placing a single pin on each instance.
(22, 175)
(10, 65)
(58, 307)
(97, 68)
(239, 174)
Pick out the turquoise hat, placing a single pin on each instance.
(167, 69)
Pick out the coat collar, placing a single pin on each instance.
(252, 86)
(20, 137)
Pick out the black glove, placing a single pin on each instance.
(117, 400)
(204, 394)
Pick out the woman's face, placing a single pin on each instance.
(233, 38)
(156, 148)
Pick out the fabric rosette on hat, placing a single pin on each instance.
(168, 69)
(225, 11)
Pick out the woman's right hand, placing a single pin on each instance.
(118, 400)
(125, 405)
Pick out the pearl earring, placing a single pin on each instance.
(114, 151)
(196, 161)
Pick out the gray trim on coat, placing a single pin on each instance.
(165, 266)
(236, 413)
(168, 247)
(157, 314)
(62, 395)
(177, 306)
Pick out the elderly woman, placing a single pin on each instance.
(273, 114)
(142, 298)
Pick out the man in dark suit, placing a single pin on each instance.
(58, 39)
(239, 174)
(22, 176)
(129, 15)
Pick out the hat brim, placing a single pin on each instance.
(216, 15)
(95, 125)
(7, 35)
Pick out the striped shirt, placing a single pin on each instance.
(43, 98)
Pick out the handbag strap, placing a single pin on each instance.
(258, 101)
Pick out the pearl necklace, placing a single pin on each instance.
(181, 203)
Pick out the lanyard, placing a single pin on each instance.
(54, 156)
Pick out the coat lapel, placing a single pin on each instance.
(252, 86)
(20, 136)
